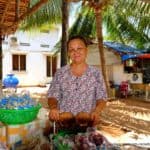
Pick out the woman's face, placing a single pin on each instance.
(77, 51)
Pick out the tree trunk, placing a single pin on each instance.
(98, 15)
(1, 66)
(64, 32)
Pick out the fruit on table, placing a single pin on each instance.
(96, 138)
(83, 143)
(83, 118)
(66, 118)
(81, 121)
(89, 140)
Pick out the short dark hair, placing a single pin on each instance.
(77, 37)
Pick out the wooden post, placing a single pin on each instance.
(1, 62)
(64, 33)
(98, 15)
(17, 10)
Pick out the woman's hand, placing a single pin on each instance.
(54, 114)
(95, 113)
(95, 117)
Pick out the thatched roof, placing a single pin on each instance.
(14, 11)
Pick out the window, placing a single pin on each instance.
(51, 64)
(48, 66)
(24, 44)
(13, 39)
(19, 62)
(44, 45)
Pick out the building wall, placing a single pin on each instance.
(36, 58)
(113, 62)
(118, 74)
(35, 73)
(114, 65)
(94, 56)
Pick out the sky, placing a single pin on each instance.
(74, 10)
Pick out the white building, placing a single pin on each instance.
(114, 65)
(29, 56)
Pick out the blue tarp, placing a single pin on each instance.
(126, 52)
(128, 56)
(121, 48)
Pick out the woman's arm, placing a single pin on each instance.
(95, 113)
(100, 105)
(54, 111)
(52, 103)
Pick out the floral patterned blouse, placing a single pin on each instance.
(76, 94)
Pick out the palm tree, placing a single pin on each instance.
(98, 6)
(56, 11)
(124, 21)
(129, 24)
(84, 25)
(64, 39)
(98, 14)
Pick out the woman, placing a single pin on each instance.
(77, 88)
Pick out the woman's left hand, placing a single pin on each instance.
(95, 116)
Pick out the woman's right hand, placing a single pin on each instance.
(54, 114)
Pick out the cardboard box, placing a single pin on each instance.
(21, 133)
(2, 133)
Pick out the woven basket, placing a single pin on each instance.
(12, 116)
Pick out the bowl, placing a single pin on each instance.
(19, 116)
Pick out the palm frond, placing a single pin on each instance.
(48, 14)
(130, 19)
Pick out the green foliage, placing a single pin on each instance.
(62, 146)
(125, 21)
(50, 13)
(84, 24)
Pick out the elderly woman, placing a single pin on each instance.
(77, 88)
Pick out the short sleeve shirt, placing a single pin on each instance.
(77, 94)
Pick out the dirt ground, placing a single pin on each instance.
(129, 114)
